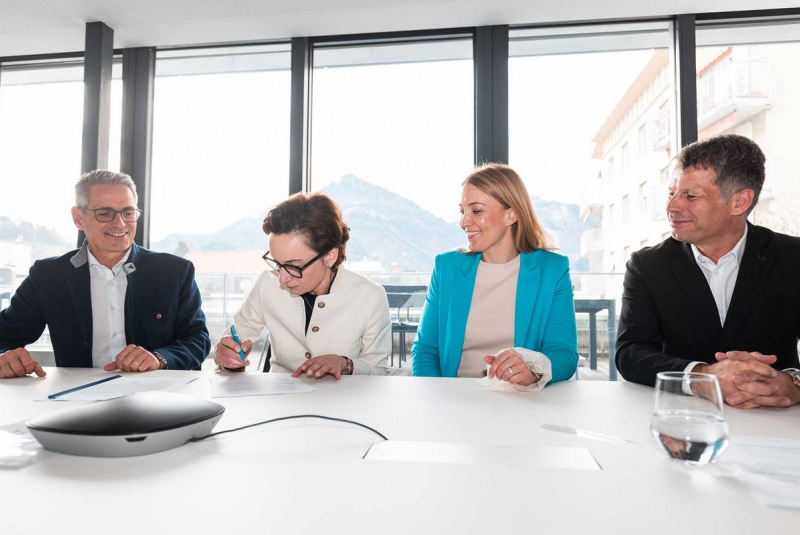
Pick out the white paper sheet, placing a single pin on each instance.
(122, 386)
(461, 453)
(770, 467)
(17, 446)
(256, 384)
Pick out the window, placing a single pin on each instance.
(220, 161)
(581, 100)
(41, 121)
(392, 140)
(625, 156)
(641, 141)
(626, 209)
(746, 84)
(643, 213)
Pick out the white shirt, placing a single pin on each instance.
(108, 287)
(721, 278)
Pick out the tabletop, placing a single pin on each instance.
(303, 476)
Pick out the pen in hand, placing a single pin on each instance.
(235, 336)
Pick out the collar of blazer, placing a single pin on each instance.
(81, 257)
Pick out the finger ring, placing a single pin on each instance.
(510, 369)
(135, 363)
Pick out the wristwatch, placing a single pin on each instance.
(161, 360)
(349, 366)
(795, 375)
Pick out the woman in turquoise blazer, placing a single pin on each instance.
(500, 224)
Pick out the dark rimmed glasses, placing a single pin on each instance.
(293, 271)
(107, 215)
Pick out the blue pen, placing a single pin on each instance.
(238, 342)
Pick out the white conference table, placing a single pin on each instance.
(307, 476)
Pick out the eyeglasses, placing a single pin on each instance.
(106, 215)
(294, 271)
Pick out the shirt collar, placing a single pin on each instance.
(94, 262)
(736, 252)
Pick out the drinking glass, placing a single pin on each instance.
(688, 421)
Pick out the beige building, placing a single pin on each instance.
(750, 90)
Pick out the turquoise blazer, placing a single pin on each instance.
(544, 319)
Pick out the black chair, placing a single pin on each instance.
(404, 297)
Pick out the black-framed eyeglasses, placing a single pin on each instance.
(106, 214)
(293, 271)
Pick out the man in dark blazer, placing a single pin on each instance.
(111, 303)
(721, 296)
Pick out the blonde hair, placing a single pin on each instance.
(504, 185)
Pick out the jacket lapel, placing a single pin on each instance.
(528, 284)
(753, 270)
(694, 286)
(77, 281)
(463, 286)
(130, 269)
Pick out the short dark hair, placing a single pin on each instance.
(737, 161)
(316, 217)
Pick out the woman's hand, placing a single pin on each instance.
(322, 365)
(227, 352)
(509, 366)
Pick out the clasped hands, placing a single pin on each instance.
(19, 363)
(747, 380)
(227, 353)
(509, 366)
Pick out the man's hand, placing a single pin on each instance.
(19, 363)
(134, 359)
(755, 390)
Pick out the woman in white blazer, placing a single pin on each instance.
(322, 318)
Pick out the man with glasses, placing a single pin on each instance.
(111, 304)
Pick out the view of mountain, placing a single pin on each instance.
(385, 228)
(45, 241)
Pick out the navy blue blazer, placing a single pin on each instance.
(162, 309)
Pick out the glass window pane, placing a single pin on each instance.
(590, 129)
(40, 159)
(220, 161)
(115, 133)
(392, 140)
(747, 84)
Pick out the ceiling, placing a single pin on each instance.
(47, 26)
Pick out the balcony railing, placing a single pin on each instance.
(743, 87)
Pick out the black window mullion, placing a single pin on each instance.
(138, 81)
(98, 59)
(300, 116)
(491, 94)
(684, 55)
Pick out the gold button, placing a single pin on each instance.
(315, 329)
(308, 355)
(321, 304)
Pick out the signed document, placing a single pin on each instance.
(256, 384)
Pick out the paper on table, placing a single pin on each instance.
(256, 384)
(770, 467)
(17, 446)
(123, 386)
(464, 453)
